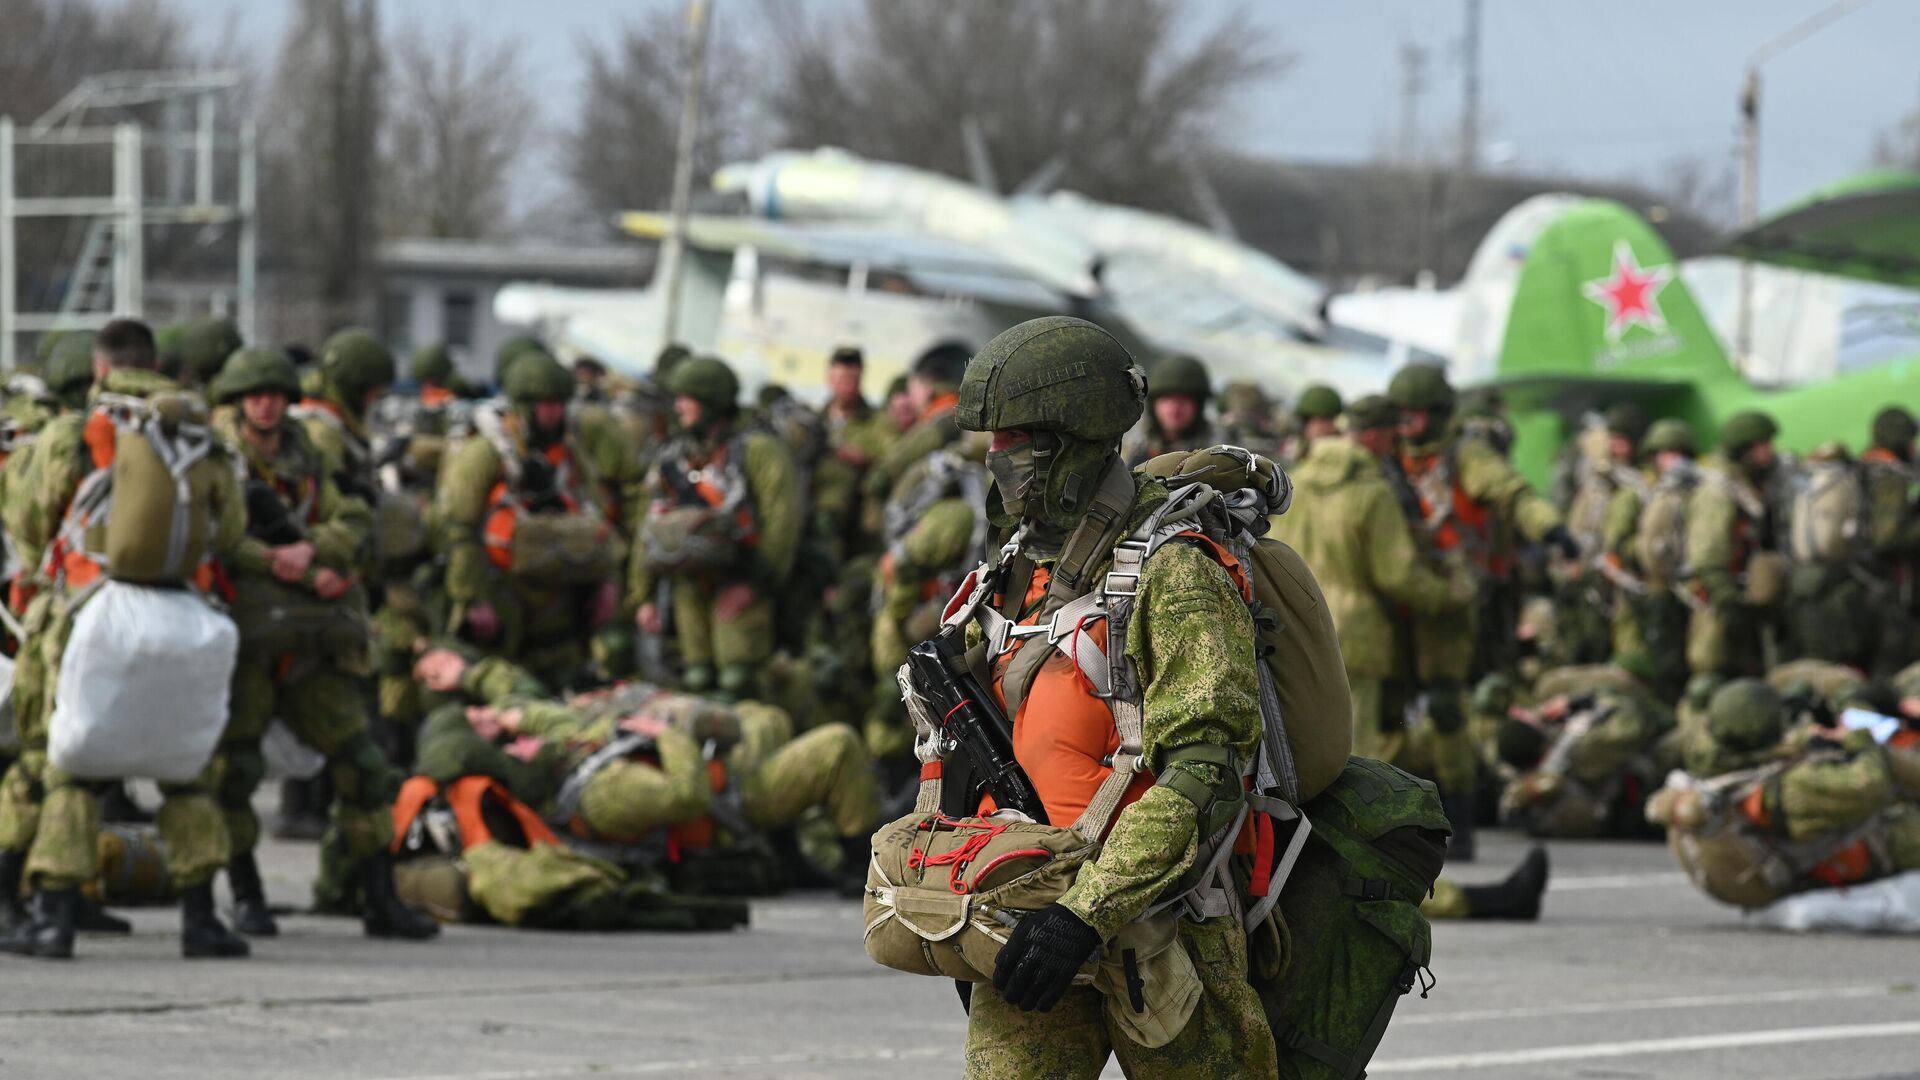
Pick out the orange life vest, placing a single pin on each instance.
(506, 509)
(435, 397)
(466, 797)
(1468, 524)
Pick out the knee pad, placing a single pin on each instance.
(362, 776)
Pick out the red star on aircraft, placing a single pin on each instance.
(1631, 295)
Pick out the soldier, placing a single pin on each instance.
(1318, 414)
(857, 435)
(1893, 533)
(1643, 553)
(1178, 389)
(930, 399)
(203, 346)
(900, 408)
(1462, 489)
(1733, 568)
(302, 620)
(355, 369)
(719, 537)
(590, 380)
(62, 826)
(1057, 394)
(1374, 574)
(529, 528)
(1246, 418)
(1599, 478)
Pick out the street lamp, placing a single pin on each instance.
(1750, 149)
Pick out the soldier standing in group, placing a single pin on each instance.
(1178, 389)
(1893, 532)
(60, 835)
(1057, 394)
(1643, 555)
(1734, 570)
(1318, 415)
(1246, 418)
(931, 394)
(303, 647)
(532, 551)
(719, 536)
(1462, 489)
(1374, 573)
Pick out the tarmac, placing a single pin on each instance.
(1630, 973)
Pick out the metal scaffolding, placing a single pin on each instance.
(175, 113)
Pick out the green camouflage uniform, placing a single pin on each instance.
(65, 837)
(321, 700)
(1351, 530)
(736, 647)
(1726, 524)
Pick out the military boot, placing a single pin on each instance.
(303, 809)
(697, 678)
(381, 912)
(49, 934)
(1459, 808)
(251, 915)
(1518, 897)
(13, 913)
(202, 934)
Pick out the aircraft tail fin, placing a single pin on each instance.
(1599, 296)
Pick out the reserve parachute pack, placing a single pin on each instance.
(144, 513)
(1660, 538)
(1828, 514)
(542, 526)
(706, 516)
(944, 889)
(1355, 941)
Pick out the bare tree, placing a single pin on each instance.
(1898, 147)
(48, 46)
(1117, 89)
(460, 117)
(320, 169)
(1701, 186)
(619, 155)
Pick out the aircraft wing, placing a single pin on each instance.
(932, 265)
(1866, 227)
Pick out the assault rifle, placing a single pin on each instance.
(975, 729)
(268, 518)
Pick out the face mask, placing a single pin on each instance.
(1014, 472)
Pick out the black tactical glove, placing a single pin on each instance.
(1563, 542)
(1041, 956)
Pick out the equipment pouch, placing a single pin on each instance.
(1149, 981)
(562, 549)
(690, 539)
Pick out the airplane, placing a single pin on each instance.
(1575, 304)
(811, 250)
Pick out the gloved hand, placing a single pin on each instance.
(1041, 956)
(1562, 541)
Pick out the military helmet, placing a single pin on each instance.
(1319, 402)
(509, 351)
(166, 347)
(1701, 688)
(1371, 411)
(70, 366)
(1423, 387)
(1245, 396)
(431, 364)
(536, 376)
(1627, 420)
(1745, 715)
(1520, 744)
(1894, 428)
(253, 370)
(1179, 374)
(1494, 694)
(670, 357)
(356, 363)
(44, 348)
(1746, 429)
(1665, 435)
(204, 346)
(707, 380)
(1056, 373)
(897, 387)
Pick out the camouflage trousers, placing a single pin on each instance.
(1449, 901)
(738, 645)
(827, 767)
(326, 708)
(1227, 1035)
(54, 816)
(1380, 731)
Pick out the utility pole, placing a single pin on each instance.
(1470, 92)
(673, 253)
(1413, 83)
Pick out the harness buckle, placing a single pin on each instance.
(1115, 578)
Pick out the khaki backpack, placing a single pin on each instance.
(145, 513)
(1660, 538)
(1828, 514)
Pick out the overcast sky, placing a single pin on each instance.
(1612, 90)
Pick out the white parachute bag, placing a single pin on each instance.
(288, 756)
(1888, 906)
(143, 687)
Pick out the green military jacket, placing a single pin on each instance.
(1191, 642)
(1724, 520)
(930, 433)
(1350, 528)
(1893, 521)
(777, 513)
(38, 497)
(339, 527)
